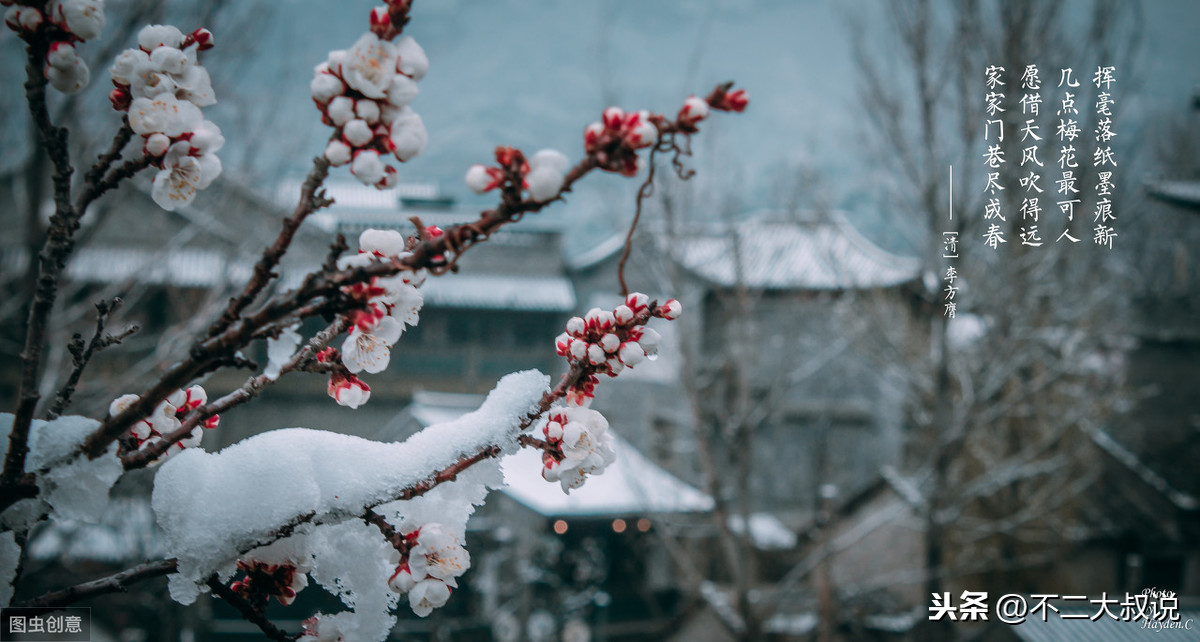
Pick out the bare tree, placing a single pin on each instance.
(1001, 397)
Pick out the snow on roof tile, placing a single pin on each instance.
(1179, 192)
(501, 292)
(181, 267)
(775, 254)
(632, 485)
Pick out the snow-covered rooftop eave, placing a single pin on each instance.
(778, 254)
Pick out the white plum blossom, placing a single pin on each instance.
(337, 153)
(480, 178)
(341, 110)
(581, 445)
(157, 144)
(326, 86)
(82, 18)
(428, 569)
(402, 580)
(371, 350)
(152, 37)
(412, 61)
(381, 242)
(408, 134)
(367, 167)
(65, 70)
(369, 66)
(402, 91)
(438, 554)
(694, 110)
(348, 390)
(167, 418)
(128, 65)
(357, 132)
(427, 595)
(182, 174)
(164, 114)
(21, 18)
(544, 183)
(364, 93)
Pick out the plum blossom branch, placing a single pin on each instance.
(58, 245)
(251, 389)
(116, 583)
(312, 198)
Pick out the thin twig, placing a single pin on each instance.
(81, 354)
(249, 390)
(312, 198)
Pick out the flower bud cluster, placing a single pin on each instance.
(608, 342)
(579, 445)
(389, 304)
(427, 570)
(163, 86)
(65, 22)
(364, 93)
(542, 175)
(167, 417)
(614, 140)
(696, 109)
(264, 581)
(387, 20)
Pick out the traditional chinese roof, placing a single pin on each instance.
(501, 292)
(783, 254)
(1103, 629)
(1182, 193)
(632, 485)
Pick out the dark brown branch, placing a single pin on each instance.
(389, 532)
(81, 353)
(51, 259)
(251, 389)
(105, 161)
(248, 612)
(312, 198)
(117, 583)
(236, 328)
(95, 190)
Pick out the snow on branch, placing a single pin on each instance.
(213, 507)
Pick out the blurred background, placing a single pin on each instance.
(820, 445)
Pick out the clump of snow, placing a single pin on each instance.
(79, 488)
(10, 555)
(215, 506)
(353, 561)
(74, 486)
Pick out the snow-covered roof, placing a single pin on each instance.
(501, 292)
(1179, 498)
(1178, 192)
(790, 254)
(598, 253)
(1076, 623)
(766, 532)
(187, 267)
(179, 266)
(632, 485)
